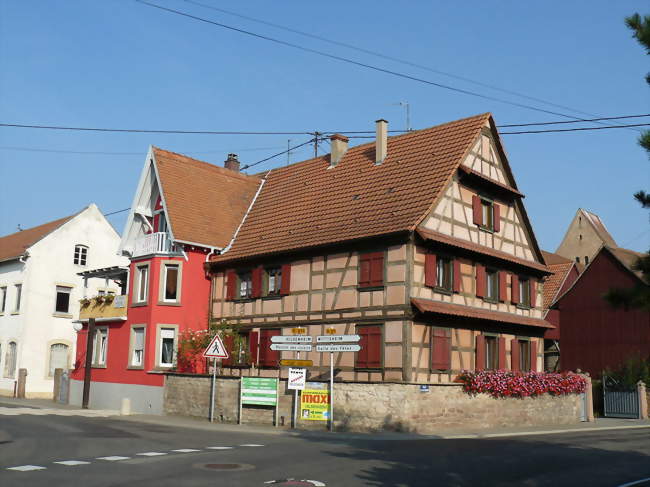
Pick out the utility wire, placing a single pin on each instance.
(278, 154)
(573, 121)
(147, 131)
(99, 153)
(356, 63)
(390, 58)
(116, 212)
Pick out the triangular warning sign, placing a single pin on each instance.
(216, 349)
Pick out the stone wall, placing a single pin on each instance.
(375, 407)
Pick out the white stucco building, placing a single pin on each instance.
(40, 292)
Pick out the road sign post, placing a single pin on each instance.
(215, 350)
(331, 414)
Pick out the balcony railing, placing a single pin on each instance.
(154, 243)
(103, 307)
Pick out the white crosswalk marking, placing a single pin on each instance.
(113, 458)
(26, 468)
(151, 454)
(71, 463)
(219, 447)
(251, 444)
(186, 450)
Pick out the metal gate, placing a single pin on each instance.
(619, 401)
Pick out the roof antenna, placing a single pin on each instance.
(407, 105)
(18, 228)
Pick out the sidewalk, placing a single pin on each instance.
(601, 424)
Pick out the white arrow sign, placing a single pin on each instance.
(216, 349)
(338, 348)
(291, 339)
(337, 338)
(289, 347)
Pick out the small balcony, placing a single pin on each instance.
(104, 308)
(154, 243)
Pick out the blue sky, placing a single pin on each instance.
(121, 64)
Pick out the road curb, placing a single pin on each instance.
(541, 433)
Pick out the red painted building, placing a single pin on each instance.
(593, 335)
(177, 219)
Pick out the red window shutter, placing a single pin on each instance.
(430, 263)
(253, 338)
(497, 217)
(362, 355)
(480, 353)
(228, 343)
(268, 357)
(514, 290)
(456, 273)
(231, 284)
(285, 286)
(256, 279)
(502, 287)
(440, 349)
(477, 210)
(514, 354)
(364, 270)
(533, 293)
(480, 281)
(502, 354)
(533, 356)
(377, 269)
(374, 347)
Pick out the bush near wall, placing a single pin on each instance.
(502, 383)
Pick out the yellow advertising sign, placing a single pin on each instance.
(314, 405)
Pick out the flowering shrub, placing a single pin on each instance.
(504, 383)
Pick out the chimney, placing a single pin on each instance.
(339, 145)
(232, 163)
(381, 143)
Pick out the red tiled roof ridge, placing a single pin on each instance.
(553, 258)
(199, 164)
(15, 244)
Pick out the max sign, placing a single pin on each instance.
(314, 404)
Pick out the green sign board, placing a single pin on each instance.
(260, 391)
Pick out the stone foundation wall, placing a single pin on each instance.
(367, 407)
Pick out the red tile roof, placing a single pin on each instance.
(429, 306)
(306, 204)
(560, 267)
(205, 203)
(14, 245)
(473, 247)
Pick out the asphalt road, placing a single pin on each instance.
(608, 458)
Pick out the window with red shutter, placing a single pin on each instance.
(456, 273)
(285, 287)
(253, 339)
(430, 270)
(480, 353)
(514, 355)
(533, 356)
(514, 289)
(371, 269)
(480, 281)
(497, 218)
(268, 357)
(256, 280)
(440, 349)
(477, 211)
(502, 354)
(231, 284)
(369, 357)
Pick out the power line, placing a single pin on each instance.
(356, 63)
(148, 131)
(573, 121)
(276, 155)
(116, 212)
(390, 58)
(575, 129)
(100, 153)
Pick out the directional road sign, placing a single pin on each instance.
(291, 339)
(290, 347)
(337, 338)
(296, 363)
(216, 349)
(338, 347)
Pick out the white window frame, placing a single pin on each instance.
(19, 296)
(132, 346)
(99, 359)
(14, 359)
(140, 297)
(162, 332)
(80, 255)
(3, 299)
(62, 289)
(163, 281)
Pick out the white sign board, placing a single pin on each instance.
(337, 338)
(297, 379)
(339, 347)
(119, 302)
(216, 349)
(291, 339)
(290, 347)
